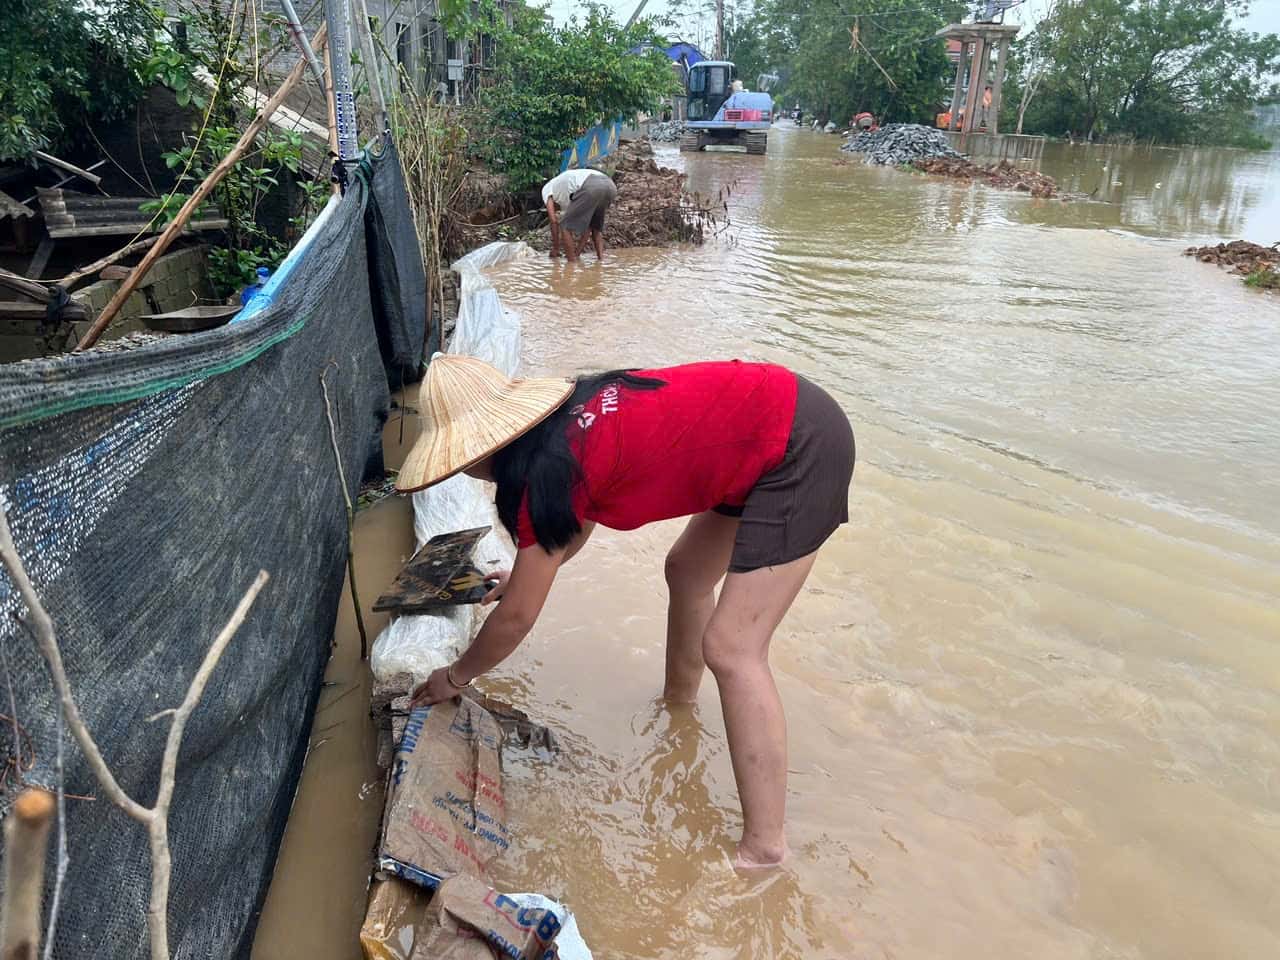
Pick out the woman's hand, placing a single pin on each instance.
(499, 580)
(437, 689)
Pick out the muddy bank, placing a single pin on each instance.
(1256, 263)
(1003, 175)
(654, 208)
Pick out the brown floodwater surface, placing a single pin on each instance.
(1033, 687)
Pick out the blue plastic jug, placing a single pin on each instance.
(252, 291)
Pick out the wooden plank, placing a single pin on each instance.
(20, 284)
(76, 276)
(69, 167)
(17, 310)
(123, 229)
(9, 207)
(41, 259)
(440, 574)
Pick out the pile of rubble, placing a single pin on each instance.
(1258, 264)
(1004, 175)
(900, 143)
(667, 131)
(653, 207)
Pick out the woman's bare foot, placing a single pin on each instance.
(764, 858)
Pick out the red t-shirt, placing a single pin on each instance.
(702, 440)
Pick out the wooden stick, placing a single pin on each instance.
(351, 513)
(202, 192)
(69, 167)
(155, 819)
(333, 117)
(77, 275)
(41, 626)
(158, 909)
(26, 841)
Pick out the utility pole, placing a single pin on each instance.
(719, 29)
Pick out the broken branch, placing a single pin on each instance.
(26, 837)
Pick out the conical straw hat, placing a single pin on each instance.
(469, 410)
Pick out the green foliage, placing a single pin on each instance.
(63, 59)
(238, 197)
(894, 68)
(1164, 70)
(1263, 279)
(168, 66)
(552, 84)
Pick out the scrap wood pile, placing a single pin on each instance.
(653, 207)
(1004, 175)
(1259, 265)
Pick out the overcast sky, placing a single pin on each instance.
(1264, 15)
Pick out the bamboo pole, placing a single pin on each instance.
(333, 120)
(351, 512)
(26, 843)
(202, 193)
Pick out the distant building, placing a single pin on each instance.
(408, 31)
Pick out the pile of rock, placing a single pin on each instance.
(900, 143)
(1259, 265)
(1004, 175)
(668, 131)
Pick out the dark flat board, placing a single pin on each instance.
(191, 319)
(441, 574)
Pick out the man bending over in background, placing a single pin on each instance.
(576, 203)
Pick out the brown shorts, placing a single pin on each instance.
(796, 506)
(587, 206)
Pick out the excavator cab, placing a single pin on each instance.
(710, 83)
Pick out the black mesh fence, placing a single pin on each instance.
(145, 489)
(398, 281)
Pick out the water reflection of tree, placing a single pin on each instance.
(1194, 190)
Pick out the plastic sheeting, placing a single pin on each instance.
(419, 644)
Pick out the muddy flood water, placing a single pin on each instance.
(1033, 688)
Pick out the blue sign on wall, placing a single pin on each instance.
(600, 141)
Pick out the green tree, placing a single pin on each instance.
(1164, 70)
(552, 84)
(63, 59)
(839, 57)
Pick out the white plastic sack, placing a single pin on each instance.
(419, 644)
(486, 330)
(569, 942)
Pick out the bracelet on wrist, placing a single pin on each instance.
(448, 675)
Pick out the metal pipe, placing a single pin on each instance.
(300, 38)
(344, 101)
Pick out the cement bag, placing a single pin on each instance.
(486, 330)
(446, 814)
(466, 919)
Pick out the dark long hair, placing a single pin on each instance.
(541, 465)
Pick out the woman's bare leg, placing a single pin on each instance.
(736, 648)
(696, 563)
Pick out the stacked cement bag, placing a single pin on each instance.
(419, 644)
(900, 143)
